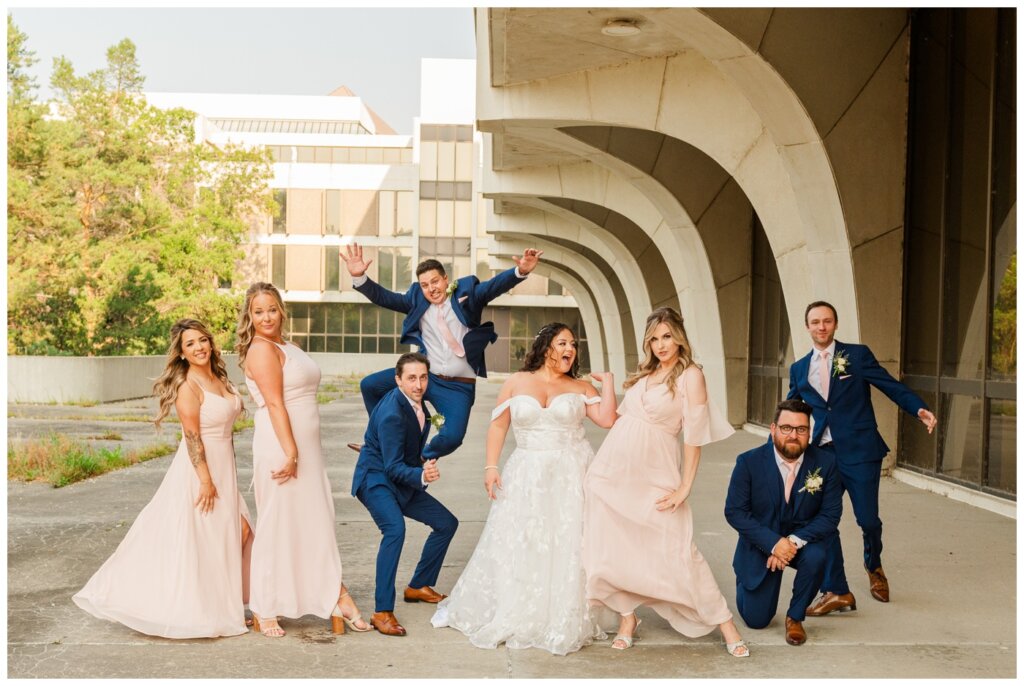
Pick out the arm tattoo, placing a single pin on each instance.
(196, 452)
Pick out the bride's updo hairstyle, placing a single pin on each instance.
(538, 353)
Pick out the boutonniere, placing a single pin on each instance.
(812, 484)
(437, 420)
(840, 363)
(452, 287)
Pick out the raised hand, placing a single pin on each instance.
(353, 258)
(528, 261)
(601, 377)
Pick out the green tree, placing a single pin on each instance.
(119, 221)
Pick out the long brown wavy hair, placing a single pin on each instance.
(176, 370)
(664, 315)
(246, 330)
(539, 350)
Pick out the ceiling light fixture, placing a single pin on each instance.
(620, 27)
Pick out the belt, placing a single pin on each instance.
(460, 379)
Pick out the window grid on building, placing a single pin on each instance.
(287, 126)
(345, 328)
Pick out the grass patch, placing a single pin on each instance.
(108, 436)
(243, 424)
(60, 460)
(145, 418)
(81, 403)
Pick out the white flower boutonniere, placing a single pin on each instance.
(437, 420)
(813, 482)
(452, 287)
(840, 363)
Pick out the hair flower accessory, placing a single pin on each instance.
(840, 363)
(813, 482)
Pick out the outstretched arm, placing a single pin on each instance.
(505, 281)
(898, 392)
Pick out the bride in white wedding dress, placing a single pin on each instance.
(524, 583)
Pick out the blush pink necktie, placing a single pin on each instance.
(449, 338)
(418, 409)
(790, 478)
(823, 374)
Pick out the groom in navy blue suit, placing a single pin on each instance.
(835, 379)
(443, 319)
(391, 480)
(785, 500)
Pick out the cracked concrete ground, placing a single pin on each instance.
(952, 568)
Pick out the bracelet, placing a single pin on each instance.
(490, 466)
(295, 459)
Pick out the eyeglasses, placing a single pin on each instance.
(786, 429)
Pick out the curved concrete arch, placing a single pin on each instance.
(564, 230)
(687, 97)
(604, 295)
(584, 300)
(668, 227)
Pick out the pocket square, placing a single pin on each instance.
(845, 376)
(463, 298)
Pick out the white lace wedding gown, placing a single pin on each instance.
(524, 583)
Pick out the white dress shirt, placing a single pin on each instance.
(814, 378)
(784, 471)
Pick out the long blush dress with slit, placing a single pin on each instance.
(296, 568)
(179, 573)
(633, 553)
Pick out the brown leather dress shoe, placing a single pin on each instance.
(830, 602)
(387, 624)
(795, 634)
(879, 585)
(422, 595)
(355, 446)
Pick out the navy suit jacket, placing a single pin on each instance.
(847, 411)
(392, 447)
(468, 302)
(756, 507)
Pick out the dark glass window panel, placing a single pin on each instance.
(1002, 446)
(277, 266)
(332, 268)
(464, 133)
(518, 327)
(301, 341)
(317, 344)
(387, 322)
(368, 344)
(961, 437)
(428, 132)
(446, 134)
(428, 190)
(305, 153)
(403, 270)
(460, 246)
(281, 198)
(351, 344)
(335, 317)
(463, 190)
(444, 247)
(351, 320)
(445, 190)
(322, 155)
(299, 320)
(917, 446)
(1003, 334)
(370, 314)
(386, 345)
(318, 318)
(333, 344)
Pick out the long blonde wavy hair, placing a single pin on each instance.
(668, 316)
(246, 330)
(165, 388)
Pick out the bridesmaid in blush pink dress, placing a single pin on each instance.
(182, 569)
(296, 568)
(638, 544)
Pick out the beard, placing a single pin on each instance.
(789, 448)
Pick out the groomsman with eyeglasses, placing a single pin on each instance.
(835, 379)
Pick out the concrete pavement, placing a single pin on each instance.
(952, 570)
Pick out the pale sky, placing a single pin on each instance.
(375, 52)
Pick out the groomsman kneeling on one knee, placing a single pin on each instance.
(785, 500)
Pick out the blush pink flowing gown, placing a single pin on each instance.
(634, 554)
(296, 568)
(179, 573)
